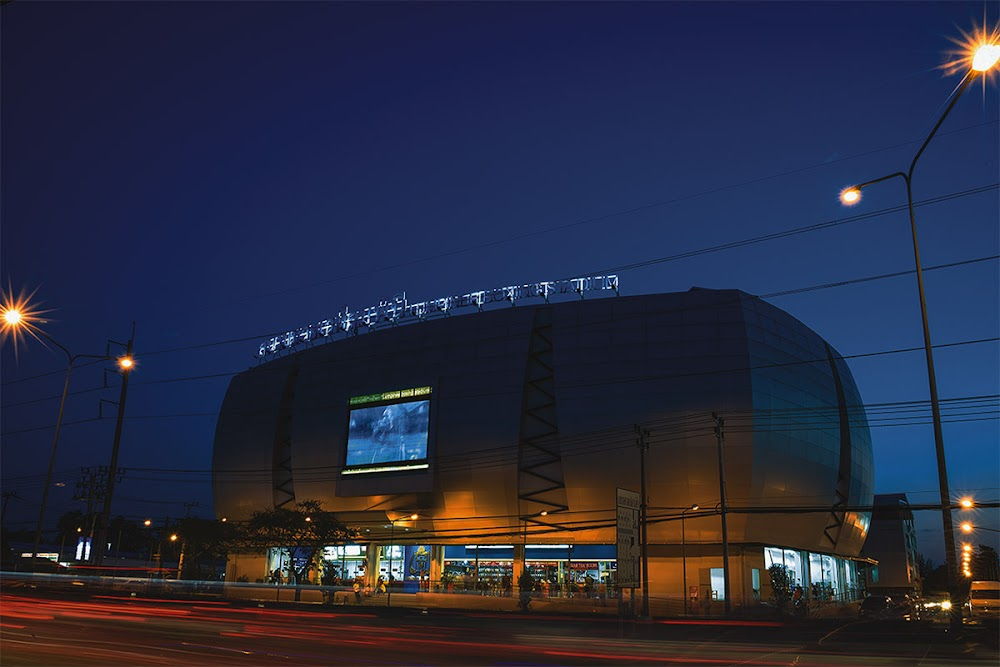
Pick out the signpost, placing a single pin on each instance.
(628, 544)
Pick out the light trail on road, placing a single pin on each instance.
(107, 630)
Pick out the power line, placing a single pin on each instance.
(599, 218)
(883, 276)
(648, 378)
(688, 254)
(794, 232)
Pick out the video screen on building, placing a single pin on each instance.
(388, 431)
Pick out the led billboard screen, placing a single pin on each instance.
(389, 431)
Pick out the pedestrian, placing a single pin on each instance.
(357, 591)
(381, 587)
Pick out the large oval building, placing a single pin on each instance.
(509, 432)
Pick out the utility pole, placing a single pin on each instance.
(113, 468)
(643, 443)
(7, 495)
(90, 487)
(720, 437)
(187, 515)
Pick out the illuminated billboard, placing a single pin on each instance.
(388, 431)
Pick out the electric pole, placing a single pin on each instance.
(720, 438)
(113, 468)
(7, 495)
(643, 442)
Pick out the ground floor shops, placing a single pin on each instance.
(683, 579)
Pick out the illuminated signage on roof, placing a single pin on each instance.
(399, 394)
(399, 309)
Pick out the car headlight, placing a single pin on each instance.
(946, 605)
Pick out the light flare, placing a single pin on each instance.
(850, 196)
(986, 57)
(20, 318)
(977, 50)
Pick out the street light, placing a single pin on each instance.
(684, 565)
(18, 316)
(984, 58)
(392, 538)
(967, 527)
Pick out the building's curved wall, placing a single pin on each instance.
(801, 448)
(664, 361)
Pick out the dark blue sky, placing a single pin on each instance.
(227, 171)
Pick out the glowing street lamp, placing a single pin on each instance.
(20, 317)
(967, 527)
(978, 60)
(986, 57)
(966, 503)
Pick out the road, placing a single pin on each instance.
(104, 630)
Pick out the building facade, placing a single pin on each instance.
(508, 432)
(892, 541)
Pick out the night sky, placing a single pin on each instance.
(219, 173)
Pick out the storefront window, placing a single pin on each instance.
(718, 583)
(825, 577)
(344, 563)
(789, 558)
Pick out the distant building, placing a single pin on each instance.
(892, 541)
(507, 432)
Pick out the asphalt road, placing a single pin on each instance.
(37, 630)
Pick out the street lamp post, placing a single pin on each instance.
(70, 360)
(985, 58)
(18, 315)
(684, 566)
(126, 364)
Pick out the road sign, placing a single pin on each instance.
(628, 554)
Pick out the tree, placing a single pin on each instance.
(925, 566)
(204, 544)
(300, 532)
(936, 581)
(781, 586)
(984, 564)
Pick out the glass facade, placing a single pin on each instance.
(822, 577)
(558, 570)
(810, 427)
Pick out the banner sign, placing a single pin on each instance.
(629, 553)
(393, 311)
